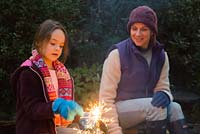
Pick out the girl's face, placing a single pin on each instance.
(140, 34)
(53, 49)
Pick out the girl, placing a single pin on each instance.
(43, 86)
(135, 81)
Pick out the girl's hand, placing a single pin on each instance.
(67, 108)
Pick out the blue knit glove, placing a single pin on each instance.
(160, 99)
(67, 108)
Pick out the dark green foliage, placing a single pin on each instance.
(180, 32)
(87, 80)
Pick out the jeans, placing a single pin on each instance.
(135, 111)
(174, 112)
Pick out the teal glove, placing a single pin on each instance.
(67, 108)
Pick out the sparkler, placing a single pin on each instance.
(92, 121)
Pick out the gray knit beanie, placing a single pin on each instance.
(145, 15)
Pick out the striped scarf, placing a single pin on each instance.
(65, 83)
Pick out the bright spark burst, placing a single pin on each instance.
(92, 120)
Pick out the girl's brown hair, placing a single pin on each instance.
(43, 35)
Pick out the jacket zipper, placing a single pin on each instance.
(43, 88)
(148, 71)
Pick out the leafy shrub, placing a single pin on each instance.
(180, 32)
(87, 80)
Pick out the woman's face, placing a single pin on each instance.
(140, 34)
(53, 49)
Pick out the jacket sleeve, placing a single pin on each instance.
(163, 83)
(31, 97)
(108, 86)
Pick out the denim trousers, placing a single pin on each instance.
(135, 111)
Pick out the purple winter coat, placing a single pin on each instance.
(34, 113)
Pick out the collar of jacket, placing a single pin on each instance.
(158, 46)
(34, 69)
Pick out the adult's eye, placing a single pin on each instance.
(134, 28)
(144, 29)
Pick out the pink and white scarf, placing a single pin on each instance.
(65, 83)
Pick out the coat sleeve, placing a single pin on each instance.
(163, 83)
(108, 90)
(31, 97)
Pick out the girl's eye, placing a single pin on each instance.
(61, 46)
(53, 44)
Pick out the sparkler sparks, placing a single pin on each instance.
(92, 121)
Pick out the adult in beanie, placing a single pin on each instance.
(135, 80)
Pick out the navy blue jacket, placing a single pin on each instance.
(138, 79)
